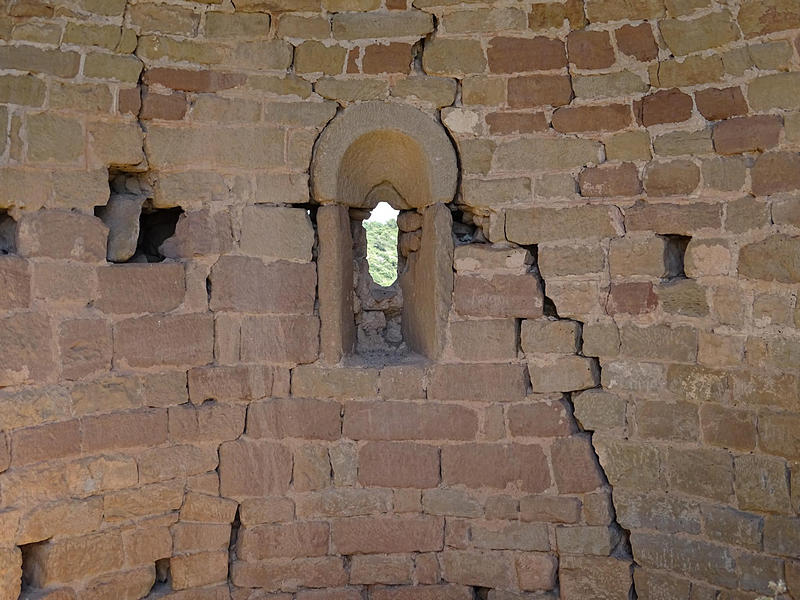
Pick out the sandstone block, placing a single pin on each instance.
(677, 177)
(385, 569)
(592, 118)
(666, 106)
(548, 418)
(775, 172)
(758, 18)
(716, 104)
(72, 559)
(485, 569)
(15, 283)
(61, 234)
(637, 41)
(170, 340)
(600, 11)
(773, 259)
(673, 219)
(319, 382)
(290, 540)
(560, 373)
(140, 288)
(295, 418)
(277, 233)
(254, 468)
(45, 442)
(207, 509)
(453, 57)
(280, 339)
(493, 340)
(688, 36)
(539, 90)
(761, 484)
(196, 570)
(615, 180)
(532, 154)
(514, 55)
(449, 502)
(282, 574)
(362, 26)
(495, 465)
(747, 134)
(408, 421)
(26, 339)
(500, 296)
(536, 225)
(245, 382)
(601, 578)
(434, 90)
(709, 562)
(344, 502)
(503, 382)
(371, 535)
(398, 465)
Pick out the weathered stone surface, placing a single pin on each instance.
(254, 468)
(774, 259)
(277, 233)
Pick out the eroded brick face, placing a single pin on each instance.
(615, 402)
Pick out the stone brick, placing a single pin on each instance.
(434, 90)
(485, 569)
(408, 421)
(503, 123)
(781, 535)
(276, 509)
(666, 106)
(249, 284)
(314, 57)
(560, 373)
(629, 145)
(776, 172)
(758, 18)
(762, 484)
(253, 468)
(26, 339)
(373, 535)
(601, 578)
(295, 26)
(716, 104)
(590, 49)
(539, 90)
(174, 340)
(673, 219)
(238, 25)
(776, 434)
(453, 57)
(493, 340)
(37, 60)
(273, 575)
(537, 225)
(592, 118)
(688, 36)
(503, 382)
(193, 81)
(708, 562)
(637, 41)
(344, 502)
(634, 298)
(683, 297)
(321, 382)
(673, 178)
(15, 283)
(609, 85)
(536, 571)
(609, 181)
(638, 256)
(62, 234)
(660, 420)
(45, 442)
(546, 336)
(575, 465)
(570, 260)
(514, 55)
(728, 428)
(208, 509)
(495, 465)
(290, 540)
(391, 58)
(354, 26)
(312, 468)
(599, 11)
(760, 260)
(501, 296)
(167, 107)
(533, 154)
(398, 464)
(196, 570)
(140, 288)
(747, 134)
(451, 502)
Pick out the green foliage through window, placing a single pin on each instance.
(382, 251)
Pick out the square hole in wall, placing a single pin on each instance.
(675, 255)
(8, 233)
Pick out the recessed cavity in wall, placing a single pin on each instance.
(136, 228)
(674, 255)
(8, 233)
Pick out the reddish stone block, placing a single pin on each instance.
(140, 288)
(423, 592)
(503, 123)
(223, 383)
(289, 540)
(408, 421)
(590, 49)
(637, 41)
(282, 574)
(387, 535)
(15, 283)
(280, 339)
(164, 340)
(514, 55)
(167, 107)
(27, 343)
(631, 298)
(129, 101)
(539, 90)
(140, 428)
(747, 134)
(776, 172)
(45, 442)
(391, 58)
(665, 106)
(193, 81)
(498, 382)
(592, 118)
(211, 422)
(62, 234)
(498, 296)
(540, 419)
(248, 284)
(295, 418)
(85, 346)
(496, 465)
(717, 104)
(575, 465)
(610, 180)
(398, 465)
(254, 468)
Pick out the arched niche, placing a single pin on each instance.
(379, 152)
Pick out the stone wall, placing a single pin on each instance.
(613, 408)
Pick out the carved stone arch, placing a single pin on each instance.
(380, 152)
(372, 144)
